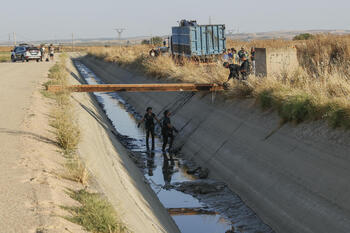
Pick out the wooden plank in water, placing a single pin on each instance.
(190, 211)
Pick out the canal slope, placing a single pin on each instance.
(115, 174)
(294, 177)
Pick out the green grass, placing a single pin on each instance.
(297, 109)
(94, 213)
(266, 99)
(5, 56)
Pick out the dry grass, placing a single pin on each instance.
(76, 171)
(319, 89)
(66, 128)
(95, 213)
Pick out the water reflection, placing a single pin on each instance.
(163, 169)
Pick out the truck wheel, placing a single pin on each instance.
(22, 58)
(37, 60)
(13, 59)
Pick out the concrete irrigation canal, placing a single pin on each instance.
(196, 205)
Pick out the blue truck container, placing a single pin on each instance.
(193, 40)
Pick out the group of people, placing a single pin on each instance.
(167, 128)
(238, 63)
(46, 56)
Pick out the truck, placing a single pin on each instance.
(190, 40)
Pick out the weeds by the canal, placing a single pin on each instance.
(76, 171)
(94, 213)
(318, 90)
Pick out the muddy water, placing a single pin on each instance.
(167, 173)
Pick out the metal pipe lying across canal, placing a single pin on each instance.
(154, 87)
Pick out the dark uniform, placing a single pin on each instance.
(245, 68)
(234, 71)
(167, 133)
(149, 125)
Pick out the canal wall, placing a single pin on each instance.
(113, 172)
(294, 177)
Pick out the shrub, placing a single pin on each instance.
(304, 36)
(95, 214)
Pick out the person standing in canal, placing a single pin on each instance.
(167, 131)
(149, 118)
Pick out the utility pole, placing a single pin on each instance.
(14, 38)
(9, 39)
(72, 42)
(120, 31)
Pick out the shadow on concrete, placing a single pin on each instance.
(28, 134)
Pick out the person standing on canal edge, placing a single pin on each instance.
(149, 118)
(167, 131)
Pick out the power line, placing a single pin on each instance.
(120, 31)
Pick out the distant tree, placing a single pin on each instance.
(157, 40)
(145, 42)
(304, 36)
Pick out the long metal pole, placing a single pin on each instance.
(164, 87)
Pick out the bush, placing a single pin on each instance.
(297, 109)
(145, 42)
(95, 214)
(266, 99)
(304, 36)
(157, 40)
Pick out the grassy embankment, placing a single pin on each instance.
(318, 90)
(94, 213)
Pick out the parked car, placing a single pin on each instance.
(25, 53)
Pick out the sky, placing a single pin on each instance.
(53, 19)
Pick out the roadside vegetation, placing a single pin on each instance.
(318, 90)
(94, 213)
(5, 56)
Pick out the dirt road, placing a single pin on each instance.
(17, 196)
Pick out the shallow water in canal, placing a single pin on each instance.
(163, 170)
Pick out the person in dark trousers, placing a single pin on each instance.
(245, 68)
(234, 72)
(168, 170)
(167, 131)
(149, 118)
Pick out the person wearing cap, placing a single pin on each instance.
(167, 131)
(245, 68)
(149, 118)
(242, 53)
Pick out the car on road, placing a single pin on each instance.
(25, 53)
